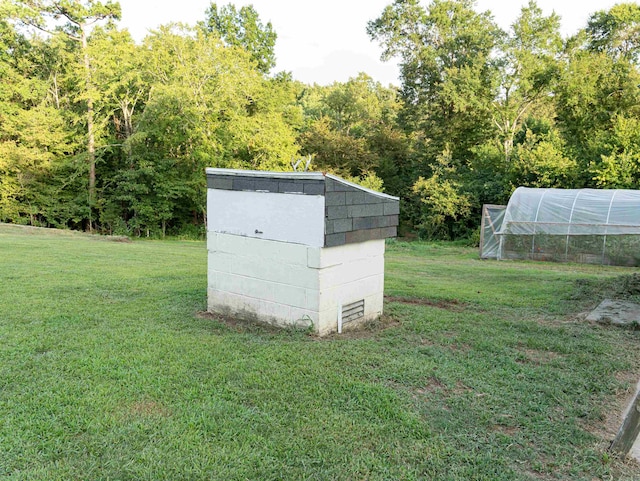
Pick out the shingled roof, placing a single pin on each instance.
(352, 213)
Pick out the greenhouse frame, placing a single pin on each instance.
(590, 226)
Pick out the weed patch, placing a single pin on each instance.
(624, 287)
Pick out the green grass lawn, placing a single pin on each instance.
(480, 371)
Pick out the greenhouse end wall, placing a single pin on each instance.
(492, 217)
(575, 225)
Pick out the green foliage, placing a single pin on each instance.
(97, 132)
(207, 106)
(368, 180)
(151, 118)
(243, 28)
(444, 201)
(32, 133)
(510, 108)
(75, 15)
(336, 150)
(620, 168)
(446, 67)
(352, 130)
(616, 31)
(595, 91)
(539, 161)
(119, 71)
(528, 71)
(449, 73)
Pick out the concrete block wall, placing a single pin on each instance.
(350, 273)
(297, 249)
(292, 284)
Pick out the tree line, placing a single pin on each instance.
(100, 133)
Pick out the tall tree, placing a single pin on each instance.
(118, 74)
(449, 71)
(74, 19)
(32, 133)
(595, 92)
(207, 106)
(616, 31)
(243, 28)
(530, 63)
(350, 126)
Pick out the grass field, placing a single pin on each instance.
(479, 371)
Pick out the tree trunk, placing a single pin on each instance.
(91, 143)
(56, 91)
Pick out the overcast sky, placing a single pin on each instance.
(322, 41)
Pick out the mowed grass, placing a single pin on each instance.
(480, 371)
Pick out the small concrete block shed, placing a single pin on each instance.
(296, 249)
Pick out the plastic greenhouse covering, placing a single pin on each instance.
(582, 225)
(492, 217)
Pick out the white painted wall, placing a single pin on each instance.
(347, 274)
(293, 284)
(292, 218)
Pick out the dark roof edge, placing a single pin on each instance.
(358, 186)
(295, 175)
(266, 174)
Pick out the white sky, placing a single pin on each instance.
(322, 41)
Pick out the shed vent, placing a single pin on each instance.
(353, 311)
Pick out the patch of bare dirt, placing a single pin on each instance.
(237, 324)
(449, 305)
(147, 409)
(537, 357)
(436, 384)
(607, 429)
(542, 476)
(367, 330)
(507, 430)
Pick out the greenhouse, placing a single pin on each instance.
(566, 225)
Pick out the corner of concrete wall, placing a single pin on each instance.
(293, 284)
